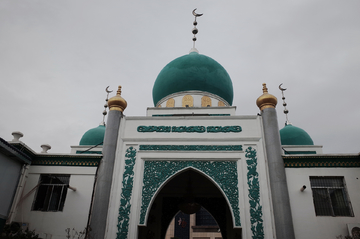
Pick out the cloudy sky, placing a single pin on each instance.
(58, 56)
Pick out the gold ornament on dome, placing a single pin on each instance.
(170, 103)
(266, 100)
(221, 104)
(188, 101)
(117, 102)
(205, 101)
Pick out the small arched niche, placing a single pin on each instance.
(205, 101)
(187, 101)
(170, 102)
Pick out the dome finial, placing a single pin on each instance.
(117, 102)
(106, 105)
(265, 89)
(195, 30)
(266, 100)
(287, 122)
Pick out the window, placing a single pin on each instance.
(204, 218)
(51, 193)
(330, 196)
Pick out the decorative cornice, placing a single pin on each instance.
(315, 161)
(46, 159)
(191, 147)
(67, 161)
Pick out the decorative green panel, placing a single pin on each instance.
(254, 194)
(127, 186)
(224, 173)
(224, 129)
(143, 128)
(191, 147)
(188, 129)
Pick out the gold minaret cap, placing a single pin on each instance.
(266, 100)
(117, 102)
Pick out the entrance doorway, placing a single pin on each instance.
(188, 184)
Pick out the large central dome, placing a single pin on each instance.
(193, 72)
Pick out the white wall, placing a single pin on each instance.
(10, 171)
(77, 203)
(306, 223)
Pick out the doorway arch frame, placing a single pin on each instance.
(222, 173)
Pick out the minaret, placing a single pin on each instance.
(279, 191)
(102, 189)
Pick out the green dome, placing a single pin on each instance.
(193, 72)
(93, 136)
(291, 135)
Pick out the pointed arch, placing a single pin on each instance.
(223, 174)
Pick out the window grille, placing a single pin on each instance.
(52, 192)
(330, 196)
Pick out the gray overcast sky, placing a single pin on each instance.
(58, 56)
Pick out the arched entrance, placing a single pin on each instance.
(204, 192)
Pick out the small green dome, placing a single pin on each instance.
(193, 72)
(291, 135)
(93, 136)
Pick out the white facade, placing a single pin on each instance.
(250, 136)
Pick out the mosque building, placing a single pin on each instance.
(190, 163)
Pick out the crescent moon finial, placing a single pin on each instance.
(196, 14)
(107, 90)
(106, 105)
(282, 89)
(195, 30)
(286, 111)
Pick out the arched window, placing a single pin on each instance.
(188, 101)
(170, 103)
(220, 103)
(205, 101)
